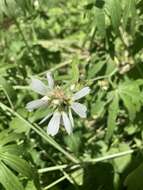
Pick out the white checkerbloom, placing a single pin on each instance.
(61, 102)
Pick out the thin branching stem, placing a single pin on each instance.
(104, 76)
(109, 157)
(90, 161)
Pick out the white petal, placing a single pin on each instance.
(45, 118)
(38, 86)
(50, 80)
(80, 109)
(54, 124)
(67, 123)
(35, 104)
(83, 92)
(71, 118)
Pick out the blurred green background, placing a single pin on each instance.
(96, 43)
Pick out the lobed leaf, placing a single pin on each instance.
(8, 179)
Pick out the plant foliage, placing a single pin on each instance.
(96, 43)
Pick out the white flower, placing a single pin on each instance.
(80, 109)
(56, 97)
(54, 124)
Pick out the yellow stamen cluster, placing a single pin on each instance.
(58, 97)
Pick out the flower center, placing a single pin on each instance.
(59, 94)
(59, 98)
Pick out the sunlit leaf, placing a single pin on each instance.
(17, 164)
(112, 116)
(115, 11)
(8, 179)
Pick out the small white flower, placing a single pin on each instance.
(71, 118)
(67, 123)
(61, 103)
(80, 109)
(50, 80)
(35, 104)
(54, 124)
(39, 87)
(83, 92)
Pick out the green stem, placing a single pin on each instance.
(25, 41)
(92, 161)
(59, 167)
(55, 182)
(104, 76)
(23, 36)
(110, 157)
(8, 98)
(17, 87)
(62, 65)
(56, 67)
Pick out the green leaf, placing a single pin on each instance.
(2, 6)
(78, 176)
(12, 149)
(131, 129)
(12, 8)
(134, 179)
(98, 108)
(18, 126)
(25, 5)
(4, 67)
(112, 115)
(40, 114)
(8, 179)
(9, 7)
(121, 163)
(129, 12)
(111, 66)
(129, 92)
(127, 100)
(115, 11)
(94, 69)
(100, 21)
(73, 142)
(30, 186)
(17, 164)
(95, 66)
(8, 137)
